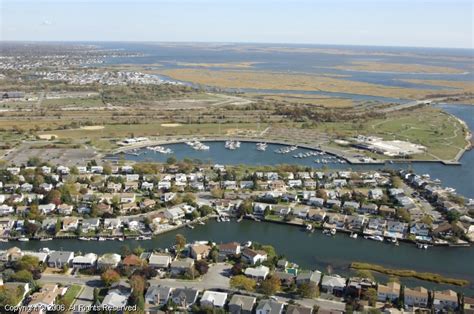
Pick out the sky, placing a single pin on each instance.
(413, 23)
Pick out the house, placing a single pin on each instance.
(333, 284)
(59, 259)
(259, 208)
(46, 208)
(174, 213)
(87, 261)
(166, 197)
(446, 300)
(164, 185)
(260, 272)
(317, 214)
(286, 279)
(308, 277)
(350, 205)
(269, 307)
(184, 297)
(232, 248)
(108, 260)
(112, 223)
(375, 194)
(389, 292)
(147, 186)
(369, 208)
(420, 229)
(157, 295)
(301, 211)
(253, 256)
(45, 298)
(116, 298)
(180, 266)
(70, 223)
(159, 260)
(213, 299)
(386, 211)
(241, 304)
(90, 224)
(65, 209)
(83, 209)
(356, 286)
(416, 297)
(298, 309)
(199, 251)
(396, 229)
(24, 287)
(246, 184)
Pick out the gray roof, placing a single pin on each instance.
(186, 294)
(313, 276)
(270, 306)
(244, 302)
(161, 292)
(298, 309)
(60, 257)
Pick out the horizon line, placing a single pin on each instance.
(231, 42)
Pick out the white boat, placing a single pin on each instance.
(23, 239)
(190, 227)
(294, 147)
(84, 239)
(422, 246)
(46, 239)
(375, 238)
(353, 235)
(248, 244)
(120, 239)
(262, 146)
(333, 231)
(100, 239)
(144, 238)
(309, 227)
(4, 240)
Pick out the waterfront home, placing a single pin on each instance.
(316, 214)
(90, 224)
(259, 208)
(356, 223)
(159, 260)
(147, 186)
(336, 221)
(309, 277)
(281, 210)
(229, 185)
(174, 213)
(65, 209)
(132, 177)
(269, 307)
(6, 225)
(298, 309)
(331, 203)
(286, 279)
(46, 208)
(59, 259)
(446, 300)
(296, 183)
(132, 261)
(199, 251)
(376, 226)
(468, 305)
(259, 273)
(405, 201)
(184, 297)
(420, 229)
(301, 211)
(48, 224)
(254, 256)
(241, 304)
(232, 248)
(416, 297)
(12, 254)
(333, 284)
(164, 185)
(180, 266)
(103, 208)
(396, 192)
(356, 286)
(271, 176)
(157, 295)
(108, 260)
(389, 292)
(87, 261)
(70, 224)
(45, 299)
(213, 299)
(112, 223)
(396, 229)
(117, 297)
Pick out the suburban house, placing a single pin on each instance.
(390, 292)
(416, 297)
(308, 277)
(298, 309)
(232, 248)
(180, 266)
(108, 260)
(59, 259)
(159, 260)
(184, 297)
(46, 297)
(269, 307)
(333, 284)
(117, 297)
(87, 261)
(241, 304)
(445, 300)
(253, 256)
(260, 272)
(157, 295)
(213, 299)
(199, 251)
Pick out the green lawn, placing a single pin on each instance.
(71, 294)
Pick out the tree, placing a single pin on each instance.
(54, 197)
(22, 276)
(308, 290)
(201, 266)
(171, 160)
(371, 296)
(363, 273)
(180, 241)
(217, 193)
(28, 263)
(138, 285)
(242, 282)
(270, 286)
(109, 277)
(237, 269)
(138, 250)
(9, 297)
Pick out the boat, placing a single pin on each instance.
(375, 238)
(309, 227)
(4, 240)
(354, 235)
(100, 239)
(84, 239)
(333, 231)
(121, 239)
(143, 238)
(422, 246)
(261, 146)
(294, 147)
(190, 226)
(232, 145)
(248, 244)
(23, 239)
(46, 239)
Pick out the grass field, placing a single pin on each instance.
(71, 294)
(398, 68)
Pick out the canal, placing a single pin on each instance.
(309, 250)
